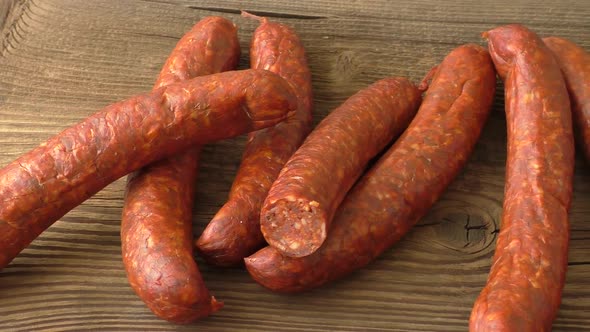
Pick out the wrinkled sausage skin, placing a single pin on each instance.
(156, 228)
(575, 66)
(234, 232)
(523, 291)
(44, 184)
(404, 183)
(297, 213)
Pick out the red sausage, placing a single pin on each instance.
(44, 184)
(404, 183)
(234, 232)
(575, 66)
(523, 291)
(296, 215)
(156, 229)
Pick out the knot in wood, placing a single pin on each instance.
(345, 66)
(469, 230)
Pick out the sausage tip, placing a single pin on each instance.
(253, 16)
(423, 86)
(215, 305)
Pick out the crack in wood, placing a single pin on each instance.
(259, 13)
(578, 263)
(155, 35)
(427, 224)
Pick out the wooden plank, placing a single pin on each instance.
(63, 60)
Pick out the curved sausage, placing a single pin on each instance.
(44, 184)
(296, 215)
(575, 66)
(156, 228)
(523, 291)
(234, 232)
(404, 183)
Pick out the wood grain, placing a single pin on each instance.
(63, 60)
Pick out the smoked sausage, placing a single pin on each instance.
(575, 66)
(523, 291)
(297, 213)
(44, 184)
(404, 183)
(234, 232)
(156, 228)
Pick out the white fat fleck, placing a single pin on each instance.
(294, 245)
(297, 225)
(150, 242)
(280, 246)
(514, 244)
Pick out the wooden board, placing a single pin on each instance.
(63, 60)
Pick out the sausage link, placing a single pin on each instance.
(523, 291)
(156, 228)
(404, 183)
(296, 215)
(575, 66)
(234, 232)
(44, 184)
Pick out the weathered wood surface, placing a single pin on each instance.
(63, 60)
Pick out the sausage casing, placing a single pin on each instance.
(156, 228)
(404, 183)
(44, 184)
(300, 205)
(234, 232)
(523, 291)
(575, 66)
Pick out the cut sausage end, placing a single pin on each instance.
(296, 228)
